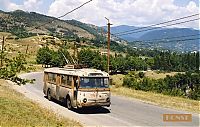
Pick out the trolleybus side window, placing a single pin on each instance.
(66, 80)
(52, 77)
(69, 80)
(63, 79)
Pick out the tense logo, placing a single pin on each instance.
(177, 117)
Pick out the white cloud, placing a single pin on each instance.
(120, 12)
(131, 12)
(28, 5)
(191, 6)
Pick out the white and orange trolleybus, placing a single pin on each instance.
(77, 87)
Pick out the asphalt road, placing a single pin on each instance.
(123, 111)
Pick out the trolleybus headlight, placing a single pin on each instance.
(84, 100)
(108, 99)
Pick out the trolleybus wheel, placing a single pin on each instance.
(69, 104)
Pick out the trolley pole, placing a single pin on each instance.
(108, 53)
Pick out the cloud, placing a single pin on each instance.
(120, 12)
(27, 5)
(131, 12)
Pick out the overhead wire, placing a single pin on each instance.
(36, 27)
(168, 38)
(153, 25)
(180, 40)
(154, 28)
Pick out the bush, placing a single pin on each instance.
(141, 74)
(13, 67)
(177, 85)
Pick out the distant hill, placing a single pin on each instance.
(23, 23)
(168, 33)
(123, 28)
(155, 36)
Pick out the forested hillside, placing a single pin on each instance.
(25, 24)
(176, 39)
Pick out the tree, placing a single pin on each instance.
(197, 61)
(141, 74)
(86, 56)
(14, 66)
(56, 60)
(78, 40)
(44, 56)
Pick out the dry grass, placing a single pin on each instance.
(159, 99)
(36, 67)
(4, 34)
(117, 80)
(16, 110)
(154, 75)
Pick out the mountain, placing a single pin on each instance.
(168, 33)
(129, 37)
(179, 39)
(23, 24)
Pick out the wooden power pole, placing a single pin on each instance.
(27, 49)
(74, 50)
(108, 52)
(2, 50)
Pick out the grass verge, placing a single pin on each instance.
(159, 99)
(16, 110)
(178, 103)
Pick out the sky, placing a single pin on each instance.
(120, 12)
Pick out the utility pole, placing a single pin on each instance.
(27, 49)
(2, 51)
(108, 53)
(74, 50)
(102, 31)
(75, 53)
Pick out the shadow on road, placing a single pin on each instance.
(92, 110)
(85, 110)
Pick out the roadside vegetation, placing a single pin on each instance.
(158, 99)
(151, 97)
(16, 110)
(10, 67)
(182, 85)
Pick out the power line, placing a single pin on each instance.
(61, 15)
(180, 40)
(158, 27)
(159, 23)
(74, 9)
(168, 39)
(189, 39)
(161, 39)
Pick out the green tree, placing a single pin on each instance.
(14, 66)
(44, 56)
